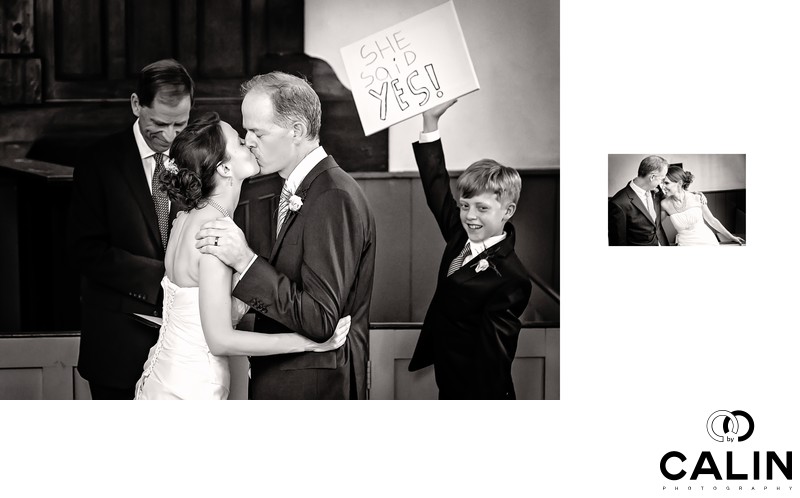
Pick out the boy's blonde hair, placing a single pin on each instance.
(487, 175)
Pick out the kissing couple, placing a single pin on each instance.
(312, 293)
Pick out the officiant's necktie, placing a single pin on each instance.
(458, 260)
(283, 207)
(161, 201)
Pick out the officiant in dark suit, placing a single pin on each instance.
(120, 223)
(634, 213)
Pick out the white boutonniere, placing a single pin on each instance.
(169, 165)
(295, 203)
(486, 263)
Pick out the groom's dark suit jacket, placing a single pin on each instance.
(629, 223)
(118, 248)
(320, 269)
(472, 325)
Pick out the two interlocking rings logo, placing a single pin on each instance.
(731, 419)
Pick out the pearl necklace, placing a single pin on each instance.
(219, 208)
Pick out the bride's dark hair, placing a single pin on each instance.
(196, 152)
(678, 175)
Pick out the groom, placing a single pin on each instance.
(322, 263)
(634, 213)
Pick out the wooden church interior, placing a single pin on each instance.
(69, 69)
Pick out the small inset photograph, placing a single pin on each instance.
(676, 199)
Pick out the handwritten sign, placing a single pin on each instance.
(404, 70)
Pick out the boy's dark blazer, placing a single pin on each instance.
(118, 249)
(629, 223)
(321, 268)
(472, 325)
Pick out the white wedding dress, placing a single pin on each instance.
(692, 230)
(180, 366)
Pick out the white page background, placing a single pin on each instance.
(652, 340)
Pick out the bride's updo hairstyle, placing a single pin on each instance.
(676, 174)
(196, 152)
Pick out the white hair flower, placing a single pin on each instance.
(169, 165)
(295, 203)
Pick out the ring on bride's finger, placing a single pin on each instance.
(216, 241)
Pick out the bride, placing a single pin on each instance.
(689, 212)
(208, 164)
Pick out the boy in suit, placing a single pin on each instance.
(471, 329)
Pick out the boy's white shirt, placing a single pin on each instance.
(478, 247)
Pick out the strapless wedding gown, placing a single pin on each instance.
(692, 230)
(179, 365)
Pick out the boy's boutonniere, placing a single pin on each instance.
(485, 263)
(295, 203)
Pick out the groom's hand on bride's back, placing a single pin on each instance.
(225, 240)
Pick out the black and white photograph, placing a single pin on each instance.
(218, 201)
(676, 199)
(354, 222)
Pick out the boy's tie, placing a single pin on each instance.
(161, 201)
(458, 260)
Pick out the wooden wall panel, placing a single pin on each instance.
(536, 368)
(221, 36)
(151, 32)
(20, 81)
(537, 214)
(16, 27)
(728, 206)
(186, 28)
(45, 367)
(427, 245)
(260, 199)
(392, 287)
(79, 39)
(115, 33)
(21, 383)
(285, 26)
(409, 244)
(408, 252)
(38, 367)
(9, 255)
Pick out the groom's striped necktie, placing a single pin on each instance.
(283, 208)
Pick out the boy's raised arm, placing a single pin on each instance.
(433, 173)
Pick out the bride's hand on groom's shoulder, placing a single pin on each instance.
(337, 339)
(703, 199)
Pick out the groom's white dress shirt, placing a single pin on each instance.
(643, 194)
(296, 177)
